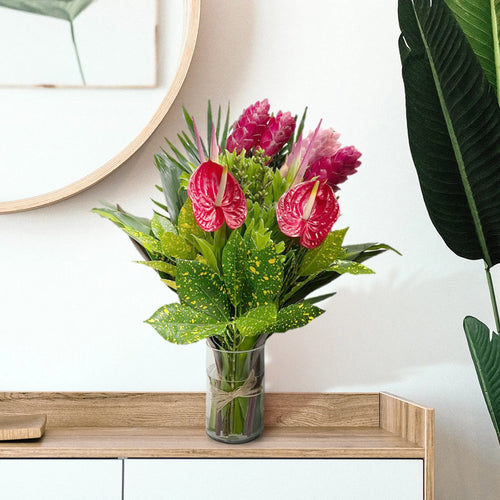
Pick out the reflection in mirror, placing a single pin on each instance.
(62, 137)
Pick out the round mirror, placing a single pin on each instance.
(63, 131)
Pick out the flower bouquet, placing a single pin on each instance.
(244, 237)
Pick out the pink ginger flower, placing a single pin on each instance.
(217, 197)
(337, 168)
(324, 144)
(308, 210)
(278, 132)
(248, 129)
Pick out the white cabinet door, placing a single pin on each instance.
(60, 479)
(273, 479)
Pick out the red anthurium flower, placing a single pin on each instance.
(308, 210)
(217, 197)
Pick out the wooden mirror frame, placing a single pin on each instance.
(190, 32)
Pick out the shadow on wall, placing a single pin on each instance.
(370, 337)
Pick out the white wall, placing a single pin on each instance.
(73, 302)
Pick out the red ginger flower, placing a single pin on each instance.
(217, 197)
(308, 210)
(249, 128)
(324, 143)
(279, 130)
(334, 170)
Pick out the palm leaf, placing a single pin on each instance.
(62, 9)
(480, 21)
(486, 356)
(453, 128)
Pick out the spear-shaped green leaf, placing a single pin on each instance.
(480, 21)
(485, 353)
(454, 129)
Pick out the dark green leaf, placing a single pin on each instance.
(183, 325)
(485, 353)
(480, 21)
(453, 128)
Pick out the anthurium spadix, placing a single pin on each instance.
(308, 210)
(216, 197)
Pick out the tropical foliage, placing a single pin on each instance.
(241, 237)
(450, 57)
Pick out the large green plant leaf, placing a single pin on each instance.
(453, 128)
(62, 9)
(486, 356)
(480, 21)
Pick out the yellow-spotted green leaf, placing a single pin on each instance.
(256, 320)
(233, 260)
(186, 223)
(349, 266)
(171, 284)
(161, 225)
(159, 265)
(263, 277)
(184, 325)
(207, 250)
(150, 243)
(294, 316)
(320, 258)
(202, 289)
(176, 246)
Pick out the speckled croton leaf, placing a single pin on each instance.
(256, 321)
(62, 9)
(233, 257)
(263, 271)
(184, 325)
(294, 316)
(202, 289)
(161, 225)
(177, 247)
(322, 257)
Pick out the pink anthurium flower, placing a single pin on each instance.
(217, 197)
(308, 210)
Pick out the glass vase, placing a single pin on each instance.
(235, 394)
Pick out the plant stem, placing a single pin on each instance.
(492, 296)
(77, 53)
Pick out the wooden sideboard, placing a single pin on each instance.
(321, 431)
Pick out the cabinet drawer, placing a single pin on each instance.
(267, 479)
(58, 479)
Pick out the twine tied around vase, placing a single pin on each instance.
(247, 390)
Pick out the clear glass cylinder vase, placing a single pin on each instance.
(235, 394)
